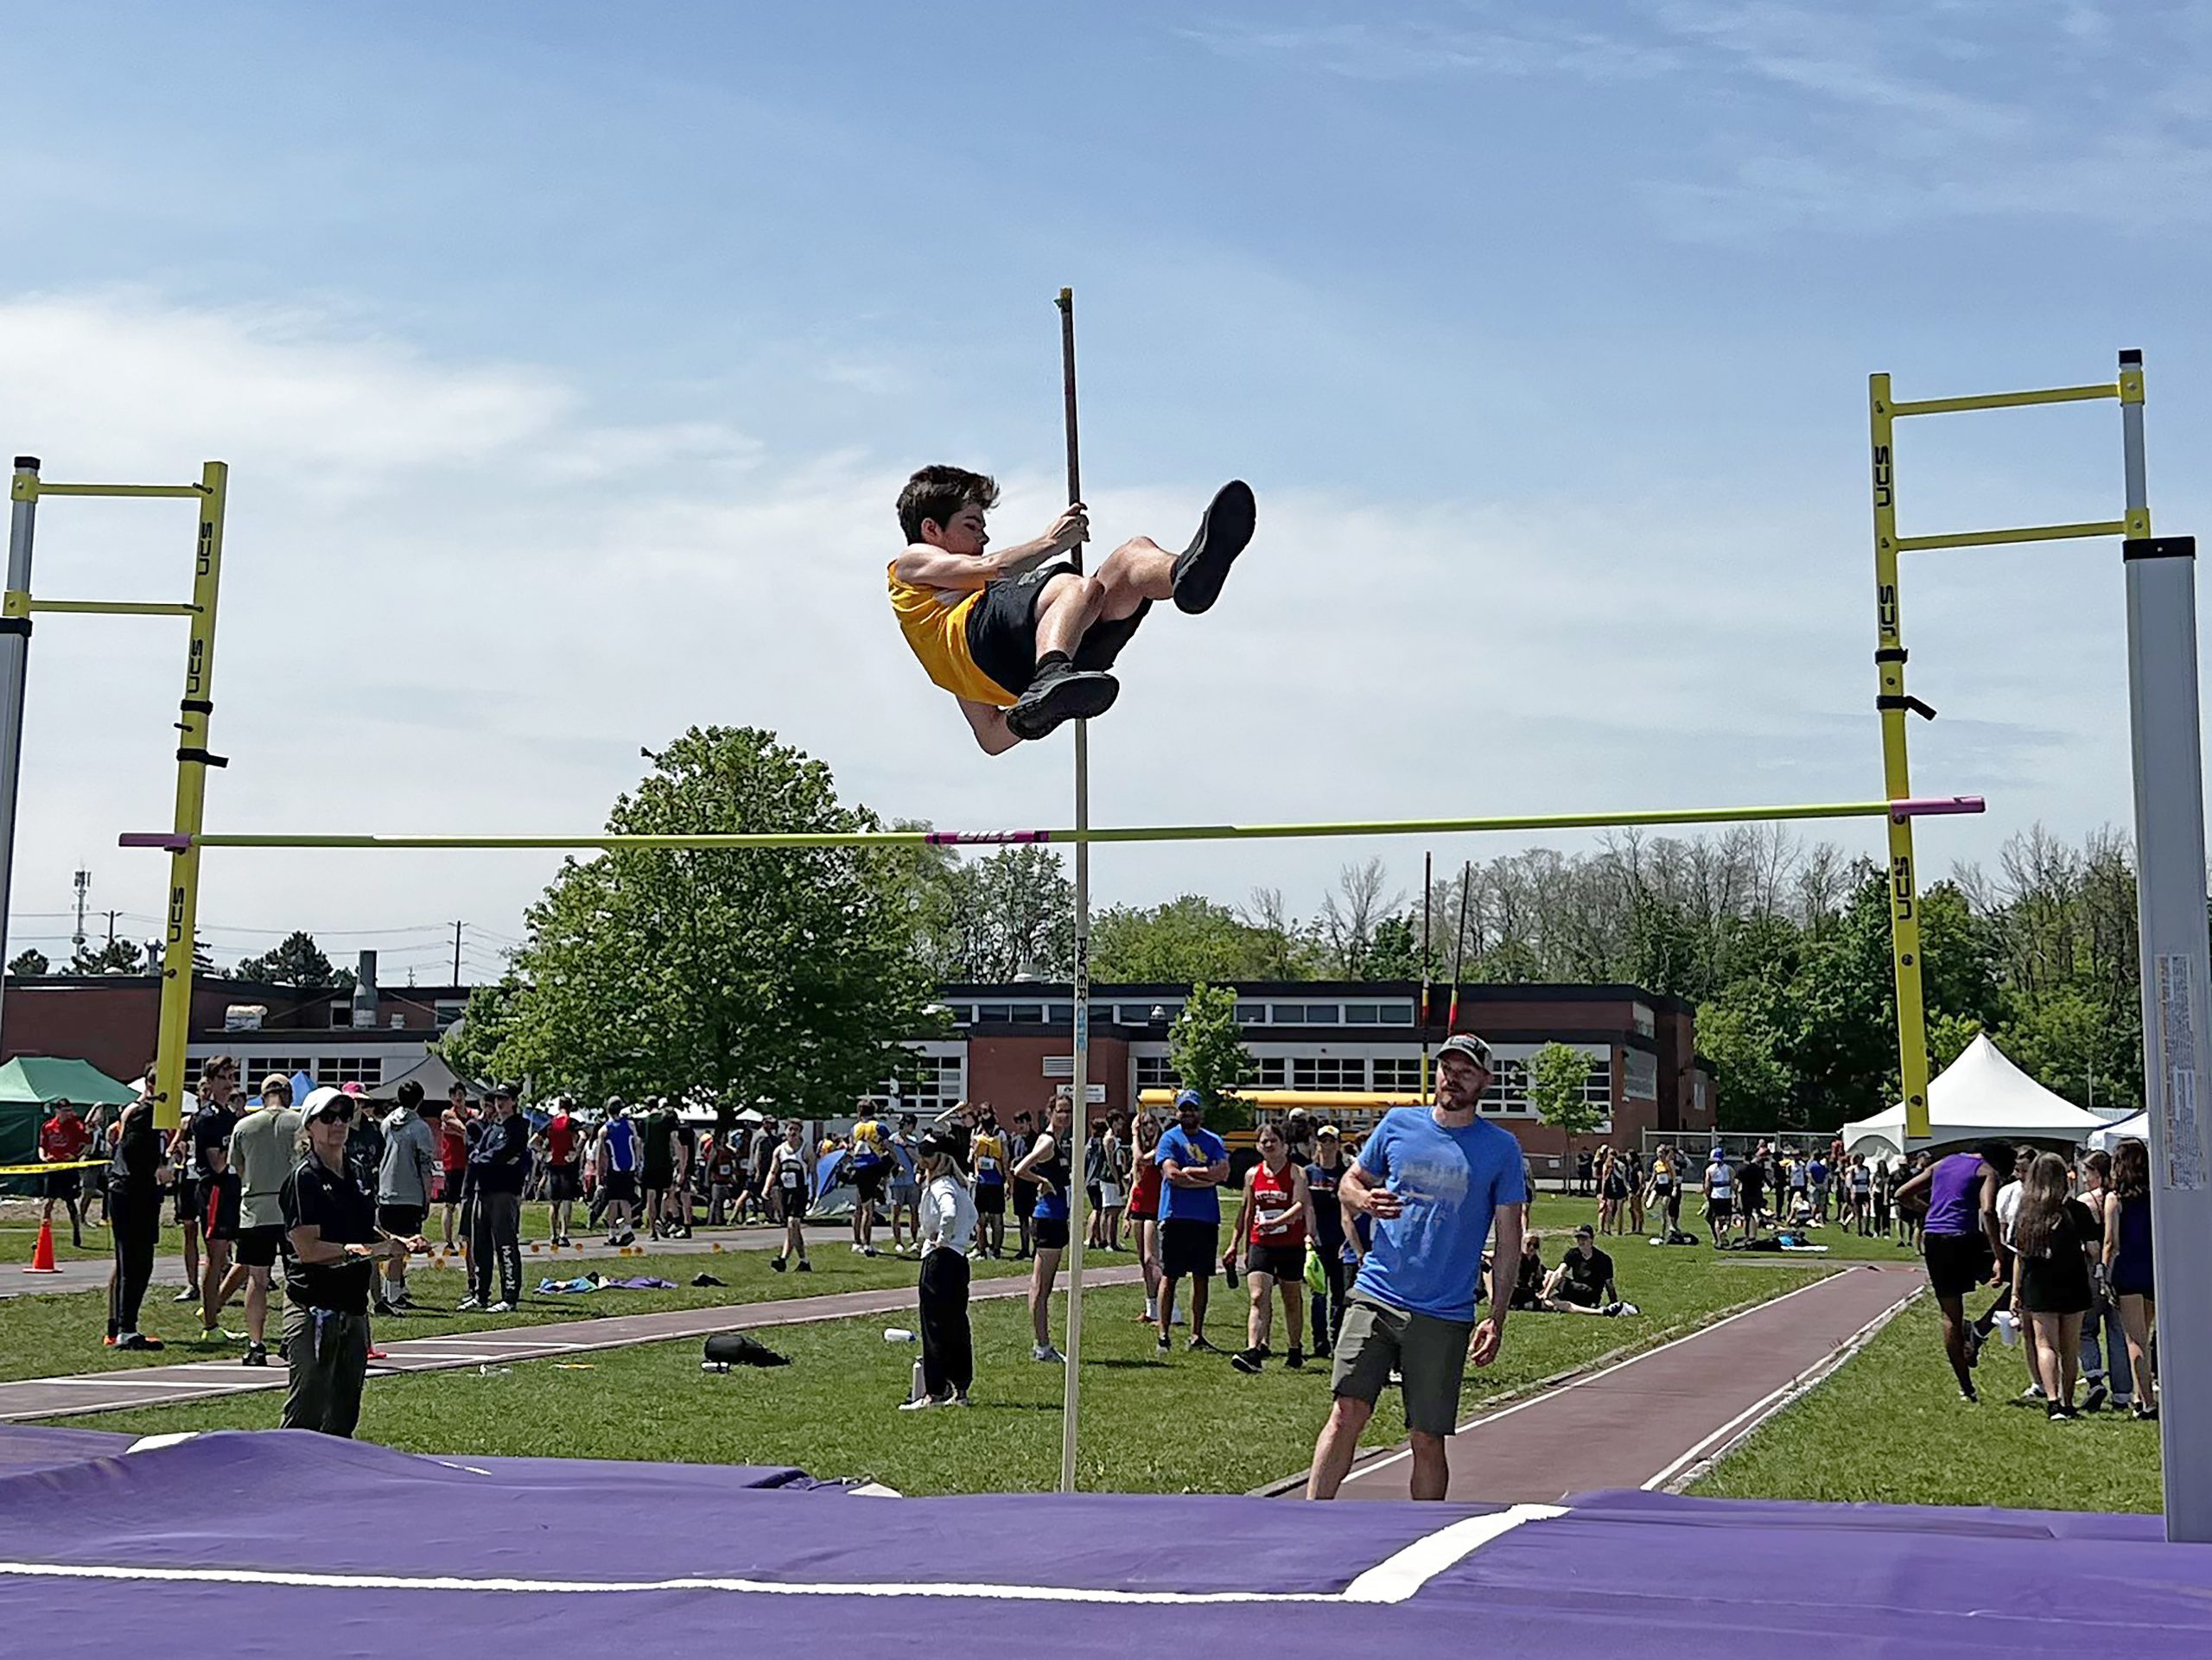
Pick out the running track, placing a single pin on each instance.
(42, 1397)
(1643, 1420)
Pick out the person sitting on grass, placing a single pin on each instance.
(1020, 636)
(1583, 1282)
(1528, 1280)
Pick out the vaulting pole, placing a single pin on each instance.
(1079, 1083)
(1427, 906)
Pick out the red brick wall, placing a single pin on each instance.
(1009, 1072)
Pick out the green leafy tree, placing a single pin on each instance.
(993, 919)
(1756, 1086)
(29, 965)
(1189, 938)
(298, 961)
(1556, 1075)
(1394, 949)
(1206, 1047)
(1947, 1037)
(786, 976)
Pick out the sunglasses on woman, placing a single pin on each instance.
(336, 1113)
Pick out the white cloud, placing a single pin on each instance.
(455, 601)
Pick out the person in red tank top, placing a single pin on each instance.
(1272, 1225)
(1143, 1213)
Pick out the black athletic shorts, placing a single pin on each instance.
(257, 1247)
(1002, 630)
(790, 1205)
(868, 1182)
(564, 1181)
(990, 1198)
(1574, 1291)
(1049, 1233)
(1957, 1263)
(405, 1220)
(1025, 1199)
(1189, 1248)
(63, 1183)
(190, 1200)
(1283, 1263)
(620, 1186)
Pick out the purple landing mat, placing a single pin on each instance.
(251, 1544)
(24, 1449)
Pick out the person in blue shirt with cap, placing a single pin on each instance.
(1193, 1163)
(1434, 1179)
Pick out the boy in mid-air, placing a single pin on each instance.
(1022, 638)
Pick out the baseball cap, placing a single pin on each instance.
(1188, 1098)
(1467, 1044)
(500, 1093)
(1327, 1132)
(933, 1145)
(1585, 1231)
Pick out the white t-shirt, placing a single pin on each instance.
(2008, 1207)
(948, 1216)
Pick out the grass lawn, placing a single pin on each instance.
(19, 1238)
(831, 1411)
(51, 1335)
(1888, 1428)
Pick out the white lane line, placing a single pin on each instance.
(1753, 1415)
(97, 1382)
(1404, 1453)
(1398, 1576)
(1395, 1580)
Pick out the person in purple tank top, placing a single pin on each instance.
(1960, 1240)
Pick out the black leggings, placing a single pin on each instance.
(948, 1344)
(135, 1225)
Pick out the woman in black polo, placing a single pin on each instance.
(330, 1256)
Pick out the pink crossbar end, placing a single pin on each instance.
(986, 838)
(167, 841)
(1936, 807)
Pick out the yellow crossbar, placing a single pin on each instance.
(2025, 533)
(2006, 400)
(117, 608)
(29, 487)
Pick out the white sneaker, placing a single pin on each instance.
(922, 1405)
(1046, 1351)
(469, 1305)
(501, 1307)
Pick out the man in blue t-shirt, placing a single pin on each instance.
(1193, 1163)
(1433, 1179)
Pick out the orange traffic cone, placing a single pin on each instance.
(43, 1252)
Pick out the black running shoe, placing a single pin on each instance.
(256, 1355)
(777, 1263)
(805, 1267)
(1295, 1360)
(1248, 1360)
(1061, 692)
(1223, 533)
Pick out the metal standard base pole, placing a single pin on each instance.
(1080, 1081)
(2176, 966)
(15, 664)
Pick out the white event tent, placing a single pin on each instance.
(2110, 1136)
(1980, 1095)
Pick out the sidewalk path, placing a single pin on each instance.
(169, 1271)
(45, 1397)
(1638, 1423)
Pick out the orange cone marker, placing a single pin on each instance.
(43, 1253)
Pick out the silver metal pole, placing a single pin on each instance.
(15, 662)
(2177, 975)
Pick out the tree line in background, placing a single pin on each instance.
(1784, 946)
(792, 976)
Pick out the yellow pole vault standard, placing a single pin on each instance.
(1882, 411)
(1921, 807)
(192, 761)
(1893, 704)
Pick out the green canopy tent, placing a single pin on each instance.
(27, 1084)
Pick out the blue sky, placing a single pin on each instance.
(568, 358)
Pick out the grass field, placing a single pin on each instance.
(1185, 1423)
(50, 1335)
(1888, 1428)
(19, 1233)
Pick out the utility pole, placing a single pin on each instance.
(456, 953)
(111, 916)
(83, 887)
